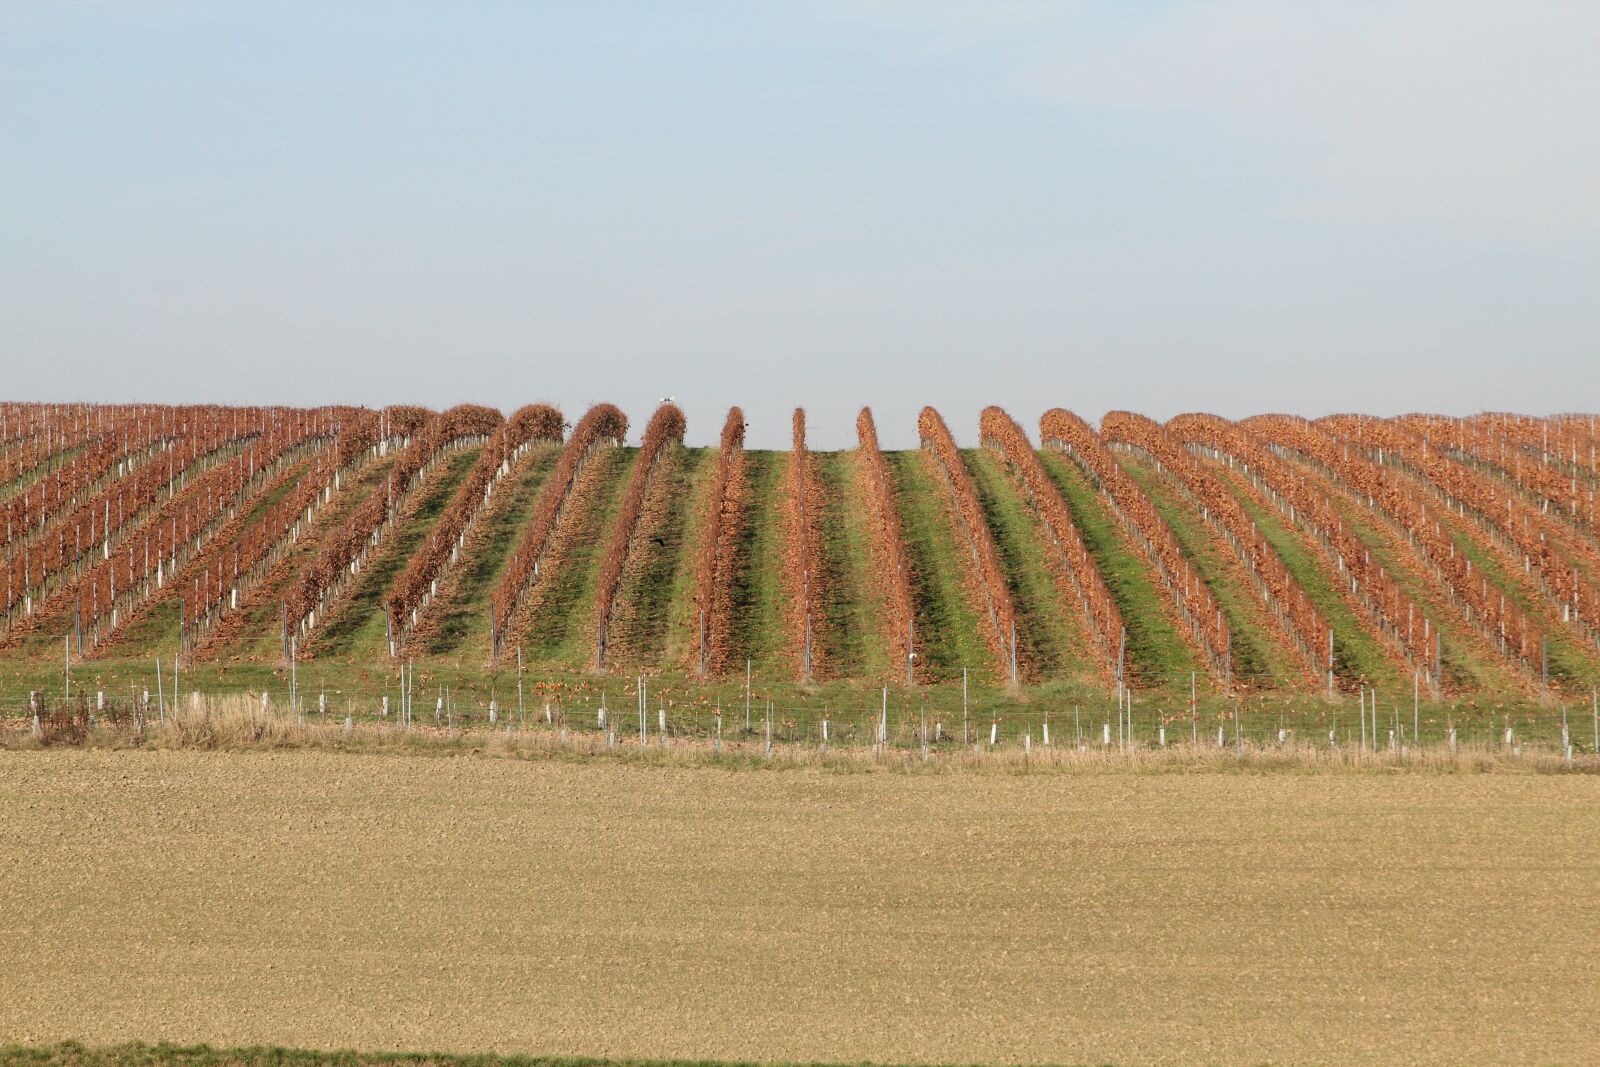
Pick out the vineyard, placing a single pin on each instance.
(1274, 554)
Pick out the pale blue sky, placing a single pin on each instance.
(1232, 207)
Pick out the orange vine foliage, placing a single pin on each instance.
(803, 576)
(985, 571)
(321, 579)
(1489, 611)
(414, 587)
(1293, 610)
(601, 425)
(888, 541)
(664, 429)
(157, 554)
(719, 536)
(1387, 611)
(1196, 608)
(1001, 432)
(1539, 550)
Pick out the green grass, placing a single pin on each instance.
(1257, 659)
(462, 622)
(1158, 652)
(158, 628)
(1052, 634)
(1569, 666)
(72, 1054)
(682, 635)
(562, 631)
(758, 571)
(641, 623)
(1358, 658)
(854, 638)
(1460, 666)
(261, 636)
(358, 625)
(948, 635)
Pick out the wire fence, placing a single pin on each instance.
(887, 719)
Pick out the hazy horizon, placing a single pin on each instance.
(1159, 206)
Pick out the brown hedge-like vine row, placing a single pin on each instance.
(888, 543)
(414, 589)
(1293, 611)
(803, 576)
(1538, 551)
(719, 536)
(601, 426)
(664, 429)
(1496, 618)
(1001, 432)
(326, 576)
(1195, 607)
(1387, 612)
(258, 549)
(987, 577)
(48, 567)
(159, 556)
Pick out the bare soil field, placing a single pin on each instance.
(384, 901)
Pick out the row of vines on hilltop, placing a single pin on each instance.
(1499, 620)
(330, 574)
(1069, 554)
(719, 538)
(985, 576)
(664, 430)
(1292, 610)
(888, 545)
(418, 584)
(1386, 611)
(1195, 607)
(602, 426)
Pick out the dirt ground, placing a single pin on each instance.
(396, 902)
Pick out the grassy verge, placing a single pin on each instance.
(135, 1054)
(1159, 653)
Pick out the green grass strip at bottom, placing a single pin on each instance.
(138, 1054)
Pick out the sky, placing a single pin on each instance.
(1232, 207)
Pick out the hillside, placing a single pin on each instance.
(1229, 556)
